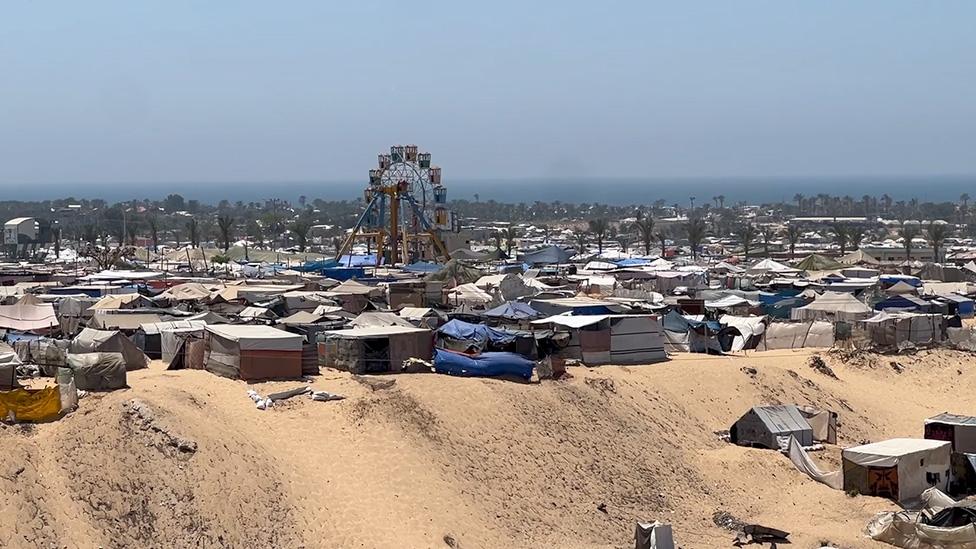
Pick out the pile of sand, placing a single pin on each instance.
(184, 459)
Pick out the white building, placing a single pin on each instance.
(20, 229)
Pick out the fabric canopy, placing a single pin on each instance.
(28, 315)
(458, 329)
(513, 310)
(253, 337)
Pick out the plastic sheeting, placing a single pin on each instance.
(901, 530)
(458, 329)
(31, 405)
(797, 335)
(802, 461)
(95, 371)
(483, 365)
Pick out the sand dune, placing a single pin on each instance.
(435, 461)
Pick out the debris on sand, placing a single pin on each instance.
(375, 384)
(817, 363)
(141, 416)
(751, 372)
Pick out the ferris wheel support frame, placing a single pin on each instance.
(395, 193)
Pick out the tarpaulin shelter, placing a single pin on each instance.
(301, 317)
(149, 336)
(797, 335)
(28, 314)
(378, 318)
(769, 266)
(751, 330)
(491, 364)
(858, 257)
(552, 255)
(188, 291)
(31, 405)
(252, 352)
(95, 371)
(183, 347)
(423, 317)
(888, 329)
(375, 349)
(905, 303)
(817, 262)
(456, 273)
(611, 339)
(251, 314)
(121, 301)
(470, 295)
(899, 469)
(479, 336)
(833, 306)
(959, 431)
(764, 426)
(109, 341)
(901, 288)
(117, 320)
(514, 311)
(579, 305)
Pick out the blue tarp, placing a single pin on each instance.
(513, 310)
(483, 365)
(632, 262)
(423, 267)
(546, 256)
(315, 266)
(358, 261)
(891, 280)
(344, 273)
(459, 329)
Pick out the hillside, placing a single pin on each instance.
(184, 459)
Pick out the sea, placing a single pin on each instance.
(616, 191)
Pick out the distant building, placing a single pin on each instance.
(20, 230)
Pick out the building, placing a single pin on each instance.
(20, 230)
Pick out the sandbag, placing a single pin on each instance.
(94, 371)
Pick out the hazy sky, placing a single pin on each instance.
(212, 90)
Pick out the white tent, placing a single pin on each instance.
(833, 306)
(612, 339)
(769, 266)
(899, 468)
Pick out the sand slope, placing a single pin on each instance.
(435, 461)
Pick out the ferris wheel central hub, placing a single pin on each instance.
(406, 209)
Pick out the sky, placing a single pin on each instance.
(306, 90)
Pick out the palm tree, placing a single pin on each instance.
(662, 238)
(907, 233)
(299, 229)
(193, 230)
(937, 234)
(645, 230)
(799, 201)
(153, 222)
(510, 234)
(599, 228)
(855, 235)
(624, 241)
(746, 234)
(580, 236)
(841, 237)
(56, 237)
(497, 236)
(225, 223)
(767, 232)
(695, 229)
(793, 234)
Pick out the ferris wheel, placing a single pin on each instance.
(406, 209)
(406, 164)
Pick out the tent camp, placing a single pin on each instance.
(252, 352)
(899, 468)
(833, 306)
(375, 349)
(959, 431)
(764, 426)
(611, 339)
(28, 314)
(109, 341)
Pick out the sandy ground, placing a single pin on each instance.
(435, 461)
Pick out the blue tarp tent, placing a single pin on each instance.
(546, 256)
(483, 365)
(459, 329)
(513, 310)
(891, 280)
(632, 262)
(904, 302)
(423, 267)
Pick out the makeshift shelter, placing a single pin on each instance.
(45, 352)
(9, 360)
(491, 364)
(958, 431)
(456, 273)
(958, 305)
(121, 301)
(116, 320)
(109, 341)
(423, 317)
(100, 371)
(797, 335)
(823, 423)
(887, 329)
(28, 314)
(513, 311)
(252, 352)
(579, 305)
(833, 306)
(858, 257)
(769, 266)
(183, 347)
(905, 303)
(901, 288)
(771, 427)
(149, 336)
(466, 336)
(899, 469)
(470, 295)
(377, 319)
(817, 262)
(611, 339)
(256, 314)
(189, 291)
(375, 349)
(751, 330)
(552, 255)
(30, 405)
(301, 317)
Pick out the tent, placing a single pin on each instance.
(377, 318)
(253, 352)
(121, 301)
(817, 262)
(95, 371)
(29, 314)
(149, 336)
(189, 291)
(579, 305)
(552, 255)
(375, 349)
(513, 310)
(959, 431)
(117, 320)
(905, 303)
(9, 360)
(899, 468)
(751, 330)
(91, 340)
(890, 329)
(764, 426)
(456, 273)
(466, 335)
(768, 266)
(797, 335)
(182, 347)
(611, 339)
(301, 317)
(901, 288)
(423, 317)
(858, 257)
(469, 294)
(482, 365)
(834, 306)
